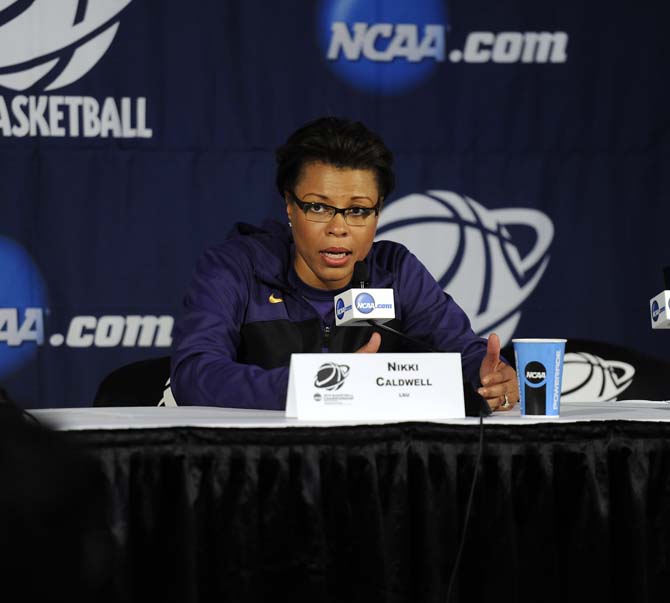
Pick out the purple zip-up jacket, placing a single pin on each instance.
(243, 320)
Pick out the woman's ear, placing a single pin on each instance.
(288, 208)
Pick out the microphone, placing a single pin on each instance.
(360, 304)
(659, 306)
(362, 274)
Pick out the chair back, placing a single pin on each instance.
(142, 383)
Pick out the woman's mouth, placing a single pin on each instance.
(335, 256)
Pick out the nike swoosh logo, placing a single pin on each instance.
(275, 300)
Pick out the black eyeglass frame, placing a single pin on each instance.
(305, 205)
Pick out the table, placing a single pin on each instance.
(205, 416)
(205, 504)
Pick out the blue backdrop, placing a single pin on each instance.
(532, 143)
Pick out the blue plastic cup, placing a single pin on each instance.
(539, 367)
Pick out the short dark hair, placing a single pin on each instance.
(339, 142)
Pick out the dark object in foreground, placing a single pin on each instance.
(52, 549)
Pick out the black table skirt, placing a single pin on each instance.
(570, 512)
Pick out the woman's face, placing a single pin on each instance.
(327, 251)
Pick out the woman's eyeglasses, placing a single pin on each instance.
(320, 212)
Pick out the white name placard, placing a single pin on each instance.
(375, 387)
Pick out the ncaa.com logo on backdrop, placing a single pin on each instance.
(25, 317)
(472, 254)
(46, 45)
(388, 46)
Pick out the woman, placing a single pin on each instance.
(268, 292)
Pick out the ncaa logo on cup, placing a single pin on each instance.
(73, 37)
(471, 253)
(535, 374)
(383, 46)
(331, 376)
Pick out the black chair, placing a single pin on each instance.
(4, 397)
(142, 383)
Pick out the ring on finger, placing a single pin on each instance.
(506, 404)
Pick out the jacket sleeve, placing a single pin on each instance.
(204, 370)
(432, 315)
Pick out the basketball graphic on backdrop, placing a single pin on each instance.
(472, 254)
(590, 377)
(73, 37)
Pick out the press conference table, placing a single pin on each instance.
(206, 504)
(203, 416)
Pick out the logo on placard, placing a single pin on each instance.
(656, 310)
(489, 260)
(590, 377)
(365, 303)
(388, 46)
(535, 374)
(46, 45)
(331, 376)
